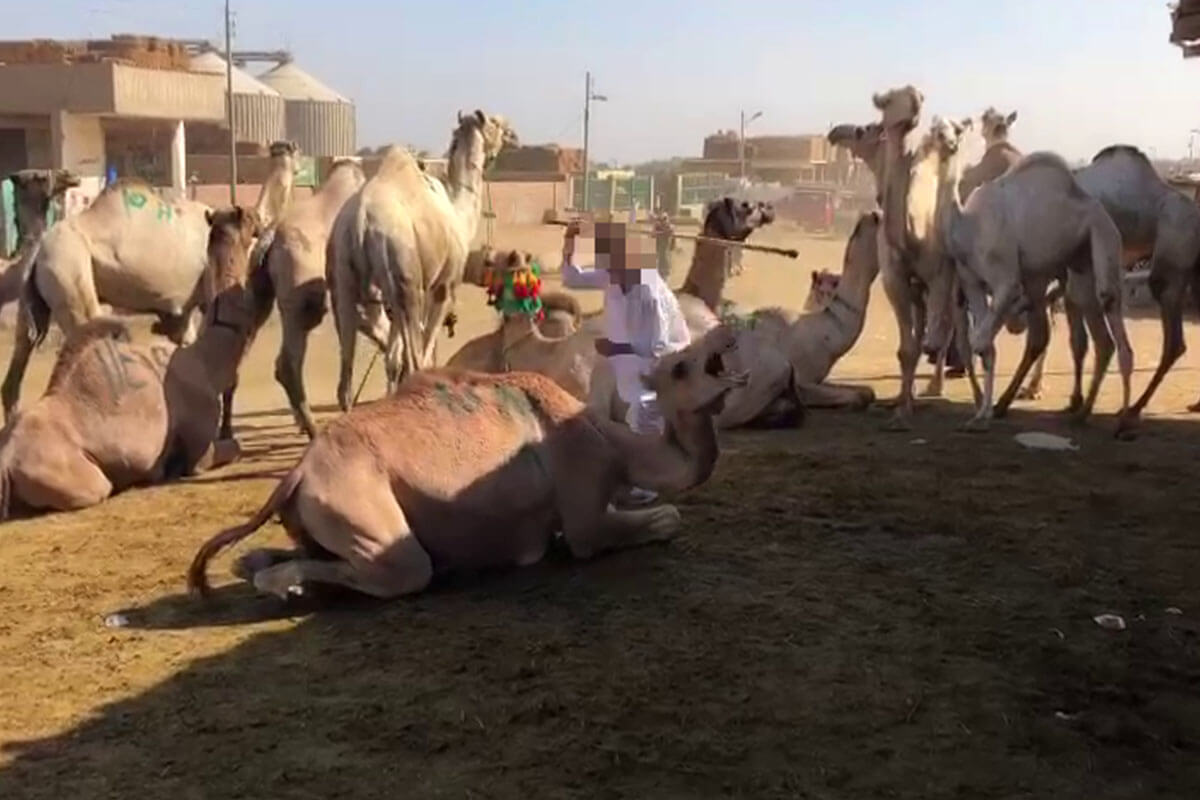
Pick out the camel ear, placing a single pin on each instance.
(879, 101)
(479, 115)
(816, 277)
(1011, 118)
(966, 124)
(208, 216)
(460, 117)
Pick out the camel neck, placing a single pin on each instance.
(223, 341)
(1000, 140)
(683, 456)
(950, 206)
(276, 193)
(707, 275)
(464, 180)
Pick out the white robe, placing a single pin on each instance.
(648, 319)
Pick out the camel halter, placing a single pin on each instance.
(517, 291)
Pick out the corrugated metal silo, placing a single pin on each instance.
(318, 118)
(258, 110)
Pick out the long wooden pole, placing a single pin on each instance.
(789, 252)
(233, 170)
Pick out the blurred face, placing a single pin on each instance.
(624, 256)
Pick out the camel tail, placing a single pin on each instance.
(36, 307)
(197, 576)
(5, 493)
(1106, 259)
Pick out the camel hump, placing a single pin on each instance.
(1040, 160)
(1114, 150)
(80, 339)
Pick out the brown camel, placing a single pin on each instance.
(404, 237)
(117, 414)
(462, 470)
(130, 249)
(998, 157)
(293, 274)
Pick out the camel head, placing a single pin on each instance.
(824, 286)
(694, 380)
(33, 192)
(231, 235)
(994, 125)
(728, 218)
(480, 262)
(484, 134)
(901, 108)
(861, 140)
(284, 149)
(946, 135)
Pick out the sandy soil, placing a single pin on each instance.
(849, 613)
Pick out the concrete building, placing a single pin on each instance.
(258, 112)
(85, 113)
(319, 119)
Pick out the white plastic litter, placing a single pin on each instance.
(1038, 440)
(1175, 611)
(1110, 622)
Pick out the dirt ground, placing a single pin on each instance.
(849, 613)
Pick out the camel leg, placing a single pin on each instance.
(1079, 347)
(833, 395)
(439, 307)
(899, 294)
(1037, 336)
(962, 341)
(18, 363)
(1033, 390)
(1094, 319)
(620, 530)
(745, 404)
(289, 371)
(60, 480)
(936, 383)
(345, 319)
(1115, 316)
(289, 577)
(245, 566)
(1170, 295)
(983, 338)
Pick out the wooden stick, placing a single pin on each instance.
(789, 252)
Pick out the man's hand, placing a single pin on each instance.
(608, 348)
(604, 347)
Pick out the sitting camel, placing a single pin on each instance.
(117, 414)
(461, 470)
(131, 249)
(1016, 234)
(824, 287)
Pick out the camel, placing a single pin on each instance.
(865, 142)
(463, 470)
(293, 275)
(118, 414)
(33, 192)
(131, 249)
(998, 156)
(405, 236)
(787, 356)
(275, 196)
(911, 251)
(1016, 234)
(1158, 223)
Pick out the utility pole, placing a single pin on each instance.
(233, 169)
(588, 97)
(742, 140)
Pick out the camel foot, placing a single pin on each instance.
(1127, 425)
(280, 582)
(1029, 393)
(976, 425)
(1000, 411)
(933, 389)
(247, 566)
(899, 423)
(866, 398)
(1074, 406)
(225, 451)
(1194, 407)
(661, 523)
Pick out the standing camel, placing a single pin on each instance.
(117, 414)
(275, 196)
(293, 274)
(911, 251)
(1016, 234)
(998, 156)
(130, 249)
(407, 235)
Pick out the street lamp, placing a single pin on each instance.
(588, 97)
(742, 140)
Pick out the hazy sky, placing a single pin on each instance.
(1081, 73)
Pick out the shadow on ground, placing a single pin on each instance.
(848, 614)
